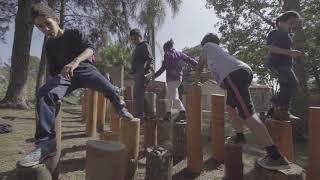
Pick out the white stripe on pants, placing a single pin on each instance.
(173, 96)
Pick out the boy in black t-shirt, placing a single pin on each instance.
(69, 55)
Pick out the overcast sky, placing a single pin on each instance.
(187, 29)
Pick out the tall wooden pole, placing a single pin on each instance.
(102, 109)
(91, 128)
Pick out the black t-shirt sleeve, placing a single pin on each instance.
(83, 41)
(272, 38)
(51, 67)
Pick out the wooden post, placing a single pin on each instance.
(85, 105)
(161, 108)
(165, 134)
(294, 173)
(50, 168)
(108, 136)
(91, 127)
(217, 124)
(128, 93)
(281, 133)
(102, 110)
(105, 160)
(150, 132)
(194, 140)
(180, 140)
(313, 171)
(159, 164)
(233, 162)
(115, 122)
(130, 137)
(150, 109)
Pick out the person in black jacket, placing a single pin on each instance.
(69, 54)
(142, 67)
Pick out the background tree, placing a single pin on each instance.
(7, 13)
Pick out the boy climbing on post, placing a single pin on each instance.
(68, 53)
(235, 76)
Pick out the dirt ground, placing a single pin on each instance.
(15, 144)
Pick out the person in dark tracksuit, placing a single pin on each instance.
(280, 61)
(142, 68)
(235, 76)
(69, 55)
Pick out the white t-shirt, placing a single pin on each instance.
(221, 63)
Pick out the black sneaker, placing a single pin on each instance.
(274, 164)
(39, 154)
(236, 139)
(124, 113)
(181, 117)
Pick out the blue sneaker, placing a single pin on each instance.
(39, 154)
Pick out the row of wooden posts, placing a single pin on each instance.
(118, 151)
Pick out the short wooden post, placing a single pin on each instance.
(194, 140)
(105, 160)
(233, 161)
(294, 173)
(165, 134)
(91, 127)
(85, 105)
(217, 124)
(150, 132)
(159, 164)
(161, 109)
(180, 140)
(281, 133)
(115, 122)
(130, 137)
(313, 171)
(108, 136)
(128, 93)
(50, 168)
(102, 110)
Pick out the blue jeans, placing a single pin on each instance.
(288, 85)
(57, 87)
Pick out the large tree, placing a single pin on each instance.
(15, 95)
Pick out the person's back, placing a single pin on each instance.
(220, 62)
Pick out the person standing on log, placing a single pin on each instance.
(69, 54)
(173, 65)
(142, 69)
(236, 76)
(280, 61)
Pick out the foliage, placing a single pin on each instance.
(7, 12)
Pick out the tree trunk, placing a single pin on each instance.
(16, 92)
(62, 10)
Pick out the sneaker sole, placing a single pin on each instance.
(31, 164)
(274, 168)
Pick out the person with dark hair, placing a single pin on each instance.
(173, 65)
(69, 55)
(142, 68)
(236, 76)
(280, 61)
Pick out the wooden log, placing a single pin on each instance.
(294, 173)
(53, 163)
(130, 137)
(85, 105)
(313, 171)
(37, 172)
(150, 132)
(150, 106)
(91, 127)
(115, 121)
(281, 133)
(180, 140)
(165, 134)
(128, 95)
(194, 140)
(108, 136)
(161, 108)
(50, 168)
(233, 162)
(105, 160)
(217, 125)
(130, 105)
(102, 110)
(158, 164)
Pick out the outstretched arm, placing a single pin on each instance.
(189, 59)
(160, 71)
